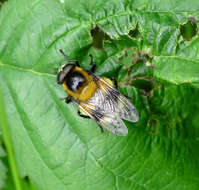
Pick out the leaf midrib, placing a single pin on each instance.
(54, 75)
(26, 70)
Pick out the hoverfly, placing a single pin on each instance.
(97, 97)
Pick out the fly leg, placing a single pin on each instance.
(81, 115)
(116, 86)
(101, 129)
(115, 82)
(93, 68)
(67, 99)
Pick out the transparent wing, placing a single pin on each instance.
(127, 109)
(114, 101)
(109, 121)
(113, 124)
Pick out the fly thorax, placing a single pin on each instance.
(75, 81)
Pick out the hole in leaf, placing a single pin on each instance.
(189, 29)
(134, 33)
(141, 71)
(142, 56)
(99, 36)
(137, 70)
(144, 84)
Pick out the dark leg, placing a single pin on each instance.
(81, 115)
(93, 68)
(68, 99)
(128, 97)
(77, 63)
(115, 82)
(101, 129)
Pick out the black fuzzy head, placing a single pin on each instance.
(74, 79)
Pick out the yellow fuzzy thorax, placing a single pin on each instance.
(86, 91)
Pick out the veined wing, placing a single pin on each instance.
(112, 123)
(109, 121)
(114, 101)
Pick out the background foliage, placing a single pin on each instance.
(150, 47)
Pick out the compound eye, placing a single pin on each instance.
(60, 77)
(63, 71)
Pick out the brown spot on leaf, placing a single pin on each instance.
(152, 124)
(142, 56)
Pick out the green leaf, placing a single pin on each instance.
(177, 70)
(156, 68)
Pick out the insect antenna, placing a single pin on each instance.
(69, 60)
(61, 51)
